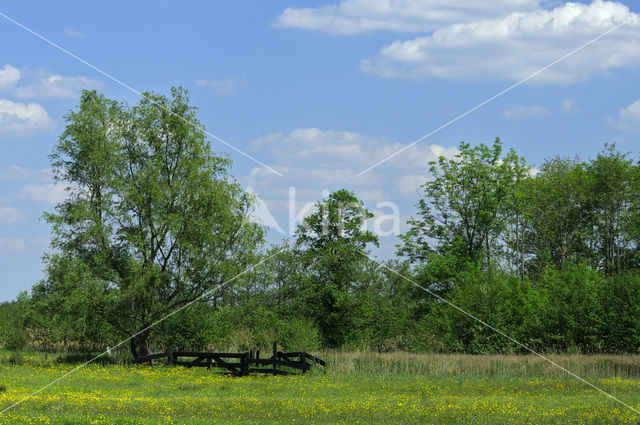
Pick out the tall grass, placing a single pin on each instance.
(403, 363)
(594, 366)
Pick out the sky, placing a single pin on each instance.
(318, 91)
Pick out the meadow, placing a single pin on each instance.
(365, 388)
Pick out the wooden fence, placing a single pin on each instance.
(240, 364)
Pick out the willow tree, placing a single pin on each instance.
(152, 220)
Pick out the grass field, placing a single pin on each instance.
(415, 389)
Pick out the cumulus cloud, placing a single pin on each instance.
(223, 87)
(516, 45)
(519, 112)
(332, 156)
(315, 160)
(409, 184)
(628, 118)
(362, 16)
(23, 120)
(43, 85)
(9, 77)
(43, 193)
(11, 215)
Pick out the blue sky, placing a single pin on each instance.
(317, 90)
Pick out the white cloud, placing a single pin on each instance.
(224, 87)
(362, 16)
(16, 173)
(43, 85)
(12, 244)
(628, 118)
(569, 106)
(71, 33)
(335, 156)
(23, 120)
(9, 77)
(517, 45)
(43, 193)
(16, 244)
(313, 160)
(409, 184)
(11, 215)
(518, 112)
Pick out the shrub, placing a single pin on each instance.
(15, 338)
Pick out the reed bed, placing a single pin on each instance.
(497, 365)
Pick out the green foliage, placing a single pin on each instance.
(236, 328)
(572, 311)
(618, 307)
(152, 221)
(462, 212)
(558, 213)
(332, 243)
(614, 207)
(503, 301)
(14, 335)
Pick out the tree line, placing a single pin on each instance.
(154, 223)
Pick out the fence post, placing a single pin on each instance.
(303, 362)
(275, 358)
(247, 362)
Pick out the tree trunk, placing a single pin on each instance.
(138, 344)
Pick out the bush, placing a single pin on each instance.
(572, 312)
(619, 316)
(15, 338)
(234, 328)
(503, 301)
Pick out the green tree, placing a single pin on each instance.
(152, 221)
(572, 313)
(505, 301)
(560, 214)
(618, 313)
(612, 198)
(276, 285)
(331, 243)
(14, 316)
(463, 212)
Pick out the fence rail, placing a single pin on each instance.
(240, 364)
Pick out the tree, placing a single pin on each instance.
(463, 212)
(276, 285)
(332, 242)
(14, 317)
(612, 198)
(559, 213)
(152, 221)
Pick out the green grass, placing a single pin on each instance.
(415, 389)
